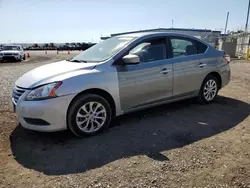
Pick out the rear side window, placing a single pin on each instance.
(183, 47)
(201, 47)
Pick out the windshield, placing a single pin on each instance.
(11, 48)
(103, 50)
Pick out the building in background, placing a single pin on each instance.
(207, 35)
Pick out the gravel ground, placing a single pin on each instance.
(183, 144)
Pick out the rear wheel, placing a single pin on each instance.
(209, 89)
(89, 115)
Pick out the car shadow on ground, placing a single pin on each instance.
(147, 132)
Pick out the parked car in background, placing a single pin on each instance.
(63, 48)
(81, 46)
(12, 53)
(119, 75)
(68, 47)
(27, 48)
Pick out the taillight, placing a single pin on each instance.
(227, 58)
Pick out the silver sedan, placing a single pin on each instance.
(119, 75)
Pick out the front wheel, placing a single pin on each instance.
(24, 57)
(88, 115)
(208, 90)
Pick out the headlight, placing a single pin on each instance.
(43, 92)
(1, 54)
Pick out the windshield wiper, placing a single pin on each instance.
(78, 61)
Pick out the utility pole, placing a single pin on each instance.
(172, 23)
(248, 50)
(225, 31)
(247, 15)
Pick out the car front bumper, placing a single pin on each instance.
(52, 111)
(10, 57)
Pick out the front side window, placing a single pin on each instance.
(152, 50)
(104, 50)
(182, 47)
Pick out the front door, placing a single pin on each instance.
(148, 82)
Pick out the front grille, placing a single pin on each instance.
(7, 54)
(9, 58)
(17, 92)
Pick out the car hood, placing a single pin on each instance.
(40, 75)
(9, 51)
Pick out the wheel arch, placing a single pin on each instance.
(217, 75)
(106, 95)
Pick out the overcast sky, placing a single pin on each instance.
(86, 20)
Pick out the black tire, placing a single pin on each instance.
(77, 104)
(201, 98)
(24, 57)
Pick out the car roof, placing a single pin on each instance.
(159, 34)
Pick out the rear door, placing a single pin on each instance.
(188, 66)
(148, 82)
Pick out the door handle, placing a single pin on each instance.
(165, 71)
(201, 65)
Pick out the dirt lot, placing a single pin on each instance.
(183, 144)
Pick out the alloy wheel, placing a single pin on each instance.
(91, 117)
(210, 89)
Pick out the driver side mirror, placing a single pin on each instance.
(131, 59)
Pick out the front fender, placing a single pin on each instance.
(95, 79)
